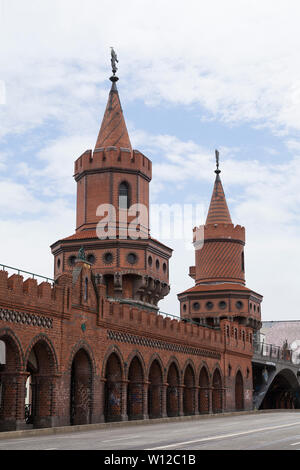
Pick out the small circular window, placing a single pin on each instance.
(91, 258)
(209, 305)
(150, 260)
(157, 264)
(239, 304)
(132, 258)
(196, 306)
(164, 267)
(108, 258)
(184, 307)
(71, 260)
(222, 305)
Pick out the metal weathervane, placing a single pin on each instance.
(114, 59)
(217, 162)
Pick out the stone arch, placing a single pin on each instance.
(88, 350)
(114, 380)
(239, 391)
(132, 355)
(12, 382)
(189, 388)
(15, 358)
(283, 392)
(204, 389)
(135, 388)
(155, 389)
(217, 391)
(113, 349)
(81, 386)
(173, 388)
(42, 368)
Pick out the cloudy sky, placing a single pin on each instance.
(194, 76)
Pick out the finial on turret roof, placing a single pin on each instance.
(217, 171)
(114, 67)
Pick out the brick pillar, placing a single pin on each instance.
(12, 411)
(101, 400)
(196, 400)
(124, 385)
(210, 400)
(145, 400)
(164, 387)
(180, 391)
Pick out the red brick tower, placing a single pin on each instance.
(112, 223)
(219, 270)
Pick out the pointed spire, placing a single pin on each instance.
(218, 212)
(113, 131)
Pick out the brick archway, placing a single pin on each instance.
(135, 390)
(12, 383)
(81, 388)
(113, 393)
(203, 391)
(155, 379)
(217, 392)
(189, 391)
(173, 393)
(239, 391)
(41, 368)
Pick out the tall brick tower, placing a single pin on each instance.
(219, 270)
(112, 222)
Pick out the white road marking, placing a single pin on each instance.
(224, 436)
(120, 439)
(295, 444)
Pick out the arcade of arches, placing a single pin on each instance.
(132, 390)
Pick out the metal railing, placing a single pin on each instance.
(187, 320)
(20, 271)
(276, 353)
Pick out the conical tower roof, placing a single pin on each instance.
(113, 131)
(218, 212)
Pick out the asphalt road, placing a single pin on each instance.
(258, 431)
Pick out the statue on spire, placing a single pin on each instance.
(217, 162)
(114, 59)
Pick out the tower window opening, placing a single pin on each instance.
(243, 262)
(86, 286)
(124, 202)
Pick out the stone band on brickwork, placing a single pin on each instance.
(153, 343)
(25, 318)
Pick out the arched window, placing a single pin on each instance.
(243, 262)
(86, 289)
(124, 202)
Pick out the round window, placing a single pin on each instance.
(239, 304)
(149, 260)
(91, 258)
(132, 258)
(157, 264)
(196, 306)
(184, 308)
(209, 305)
(222, 305)
(71, 260)
(108, 257)
(164, 267)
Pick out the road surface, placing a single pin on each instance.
(257, 431)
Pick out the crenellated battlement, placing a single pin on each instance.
(163, 328)
(113, 157)
(219, 231)
(29, 293)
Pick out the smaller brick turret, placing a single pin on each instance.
(219, 270)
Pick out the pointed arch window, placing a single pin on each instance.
(124, 200)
